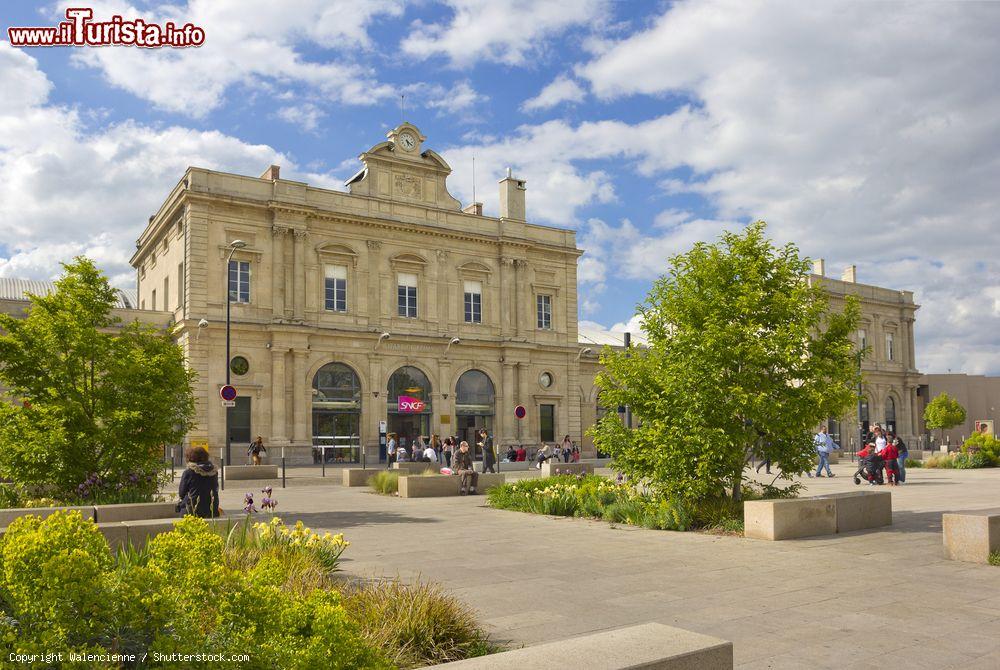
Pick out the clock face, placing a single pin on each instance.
(407, 141)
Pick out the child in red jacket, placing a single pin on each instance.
(889, 455)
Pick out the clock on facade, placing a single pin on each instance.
(407, 141)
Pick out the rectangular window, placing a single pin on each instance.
(335, 288)
(547, 422)
(152, 299)
(239, 281)
(544, 304)
(890, 351)
(180, 286)
(166, 293)
(862, 339)
(473, 302)
(407, 295)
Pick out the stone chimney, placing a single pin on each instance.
(819, 267)
(850, 274)
(271, 173)
(512, 197)
(475, 208)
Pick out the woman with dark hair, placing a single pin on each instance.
(199, 489)
(489, 456)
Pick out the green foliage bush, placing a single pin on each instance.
(960, 461)
(384, 482)
(63, 591)
(416, 624)
(988, 445)
(995, 558)
(914, 463)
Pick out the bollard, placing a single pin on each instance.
(282, 471)
(322, 460)
(222, 472)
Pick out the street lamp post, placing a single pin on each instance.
(234, 245)
(861, 425)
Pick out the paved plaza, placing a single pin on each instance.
(871, 599)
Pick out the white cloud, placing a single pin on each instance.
(458, 99)
(561, 89)
(506, 32)
(306, 115)
(867, 133)
(248, 42)
(67, 190)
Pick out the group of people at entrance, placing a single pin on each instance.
(437, 450)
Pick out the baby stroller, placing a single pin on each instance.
(870, 468)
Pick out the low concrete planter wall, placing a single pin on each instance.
(820, 515)
(651, 646)
(436, 486)
(243, 472)
(516, 466)
(8, 515)
(549, 468)
(971, 536)
(357, 476)
(135, 511)
(416, 467)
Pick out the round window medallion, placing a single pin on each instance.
(545, 379)
(239, 366)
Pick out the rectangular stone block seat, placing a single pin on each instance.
(134, 511)
(244, 472)
(549, 468)
(504, 467)
(357, 476)
(416, 467)
(8, 515)
(435, 486)
(971, 536)
(819, 515)
(650, 646)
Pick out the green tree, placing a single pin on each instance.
(743, 354)
(943, 412)
(98, 399)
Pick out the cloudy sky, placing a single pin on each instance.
(867, 133)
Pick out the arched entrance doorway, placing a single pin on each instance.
(336, 414)
(890, 414)
(474, 407)
(409, 405)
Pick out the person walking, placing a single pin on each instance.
(448, 449)
(436, 446)
(824, 445)
(489, 456)
(390, 450)
(198, 492)
(255, 449)
(463, 468)
(567, 448)
(902, 453)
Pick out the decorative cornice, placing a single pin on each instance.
(374, 245)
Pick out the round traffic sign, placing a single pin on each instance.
(520, 412)
(228, 392)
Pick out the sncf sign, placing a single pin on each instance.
(410, 405)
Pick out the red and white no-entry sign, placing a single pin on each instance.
(520, 412)
(228, 392)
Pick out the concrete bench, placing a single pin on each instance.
(8, 515)
(505, 467)
(971, 536)
(549, 468)
(416, 467)
(244, 472)
(650, 646)
(357, 476)
(434, 486)
(820, 515)
(135, 511)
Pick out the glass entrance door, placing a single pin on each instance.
(468, 427)
(337, 435)
(239, 423)
(409, 427)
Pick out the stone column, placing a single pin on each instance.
(912, 365)
(278, 272)
(278, 426)
(505, 404)
(375, 306)
(301, 400)
(506, 289)
(523, 398)
(521, 298)
(300, 275)
(443, 293)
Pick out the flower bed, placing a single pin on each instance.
(263, 590)
(596, 497)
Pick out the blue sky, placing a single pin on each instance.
(868, 134)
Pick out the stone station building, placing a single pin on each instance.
(391, 304)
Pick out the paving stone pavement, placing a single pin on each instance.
(884, 598)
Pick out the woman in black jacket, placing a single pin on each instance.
(199, 489)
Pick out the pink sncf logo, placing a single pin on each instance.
(410, 405)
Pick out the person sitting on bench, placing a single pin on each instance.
(461, 464)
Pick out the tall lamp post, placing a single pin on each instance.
(234, 245)
(861, 426)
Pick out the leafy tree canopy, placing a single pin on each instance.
(944, 412)
(743, 354)
(98, 399)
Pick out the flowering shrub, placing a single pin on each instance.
(327, 547)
